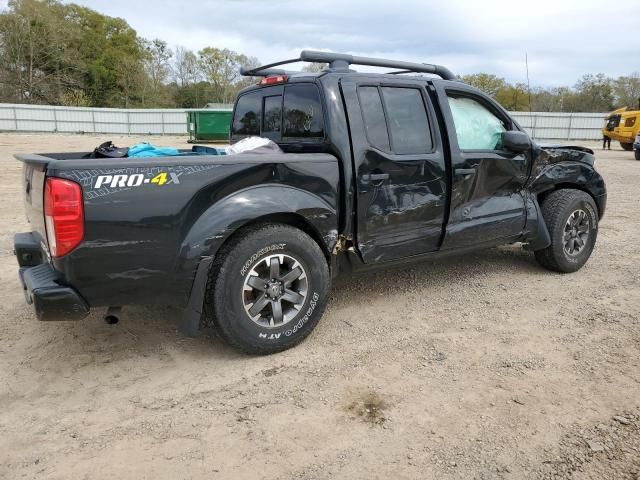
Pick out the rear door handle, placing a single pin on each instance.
(465, 171)
(375, 177)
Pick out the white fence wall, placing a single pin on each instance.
(44, 118)
(41, 118)
(562, 126)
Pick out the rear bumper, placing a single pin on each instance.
(44, 287)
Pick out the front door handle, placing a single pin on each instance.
(465, 171)
(375, 177)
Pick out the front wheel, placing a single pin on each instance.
(572, 219)
(268, 289)
(636, 153)
(627, 146)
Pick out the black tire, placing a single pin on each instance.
(557, 210)
(627, 146)
(228, 303)
(636, 153)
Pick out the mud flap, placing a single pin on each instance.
(536, 232)
(190, 322)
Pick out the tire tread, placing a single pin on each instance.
(554, 209)
(219, 269)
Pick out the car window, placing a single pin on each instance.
(272, 116)
(407, 120)
(302, 113)
(373, 116)
(477, 128)
(246, 120)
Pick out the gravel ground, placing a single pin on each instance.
(479, 367)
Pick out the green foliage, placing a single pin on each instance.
(627, 91)
(595, 93)
(592, 93)
(489, 84)
(221, 68)
(514, 97)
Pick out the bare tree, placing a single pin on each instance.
(186, 69)
(627, 91)
(158, 68)
(221, 67)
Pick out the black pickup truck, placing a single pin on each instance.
(376, 169)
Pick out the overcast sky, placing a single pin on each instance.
(563, 38)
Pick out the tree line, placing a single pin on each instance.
(65, 54)
(592, 93)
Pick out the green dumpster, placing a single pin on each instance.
(209, 125)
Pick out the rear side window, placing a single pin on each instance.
(373, 116)
(407, 120)
(303, 117)
(246, 120)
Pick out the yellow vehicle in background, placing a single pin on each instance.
(623, 125)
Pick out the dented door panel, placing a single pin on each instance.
(487, 199)
(401, 199)
(487, 204)
(403, 215)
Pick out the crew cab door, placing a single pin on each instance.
(487, 205)
(399, 169)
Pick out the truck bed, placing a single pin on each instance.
(149, 221)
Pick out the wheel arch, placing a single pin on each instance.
(571, 175)
(284, 204)
(541, 196)
(293, 219)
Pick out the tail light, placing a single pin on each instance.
(63, 215)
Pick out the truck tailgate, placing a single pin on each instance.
(34, 172)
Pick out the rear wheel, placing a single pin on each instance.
(572, 219)
(268, 289)
(636, 153)
(627, 146)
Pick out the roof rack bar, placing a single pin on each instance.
(340, 59)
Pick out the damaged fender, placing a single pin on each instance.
(567, 167)
(557, 167)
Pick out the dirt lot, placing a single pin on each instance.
(480, 367)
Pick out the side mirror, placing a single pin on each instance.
(515, 141)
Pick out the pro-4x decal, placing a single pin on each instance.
(101, 182)
(122, 180)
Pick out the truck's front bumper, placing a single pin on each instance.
(44, 287)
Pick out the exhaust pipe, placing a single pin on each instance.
(113, 315)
